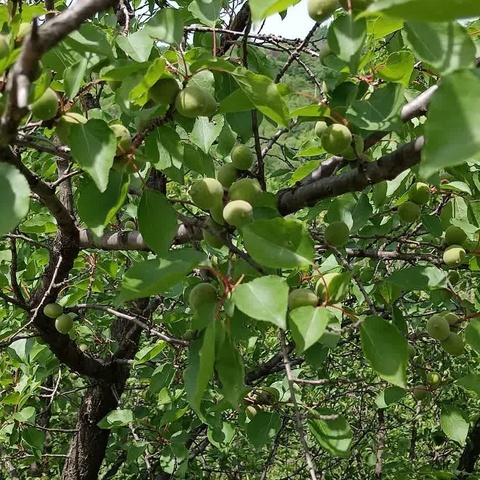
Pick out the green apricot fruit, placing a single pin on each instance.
(455, 236)
(189, 335)
(209, 238)
(164, 91)
(53, 310)
(355, 149)
(336, 234)
(357, 5)
(242, 157)
(433, 378)
(451, 318)
(216, 213)
(201, 294)
(124, 139)
(191, 102)
(419, 193)
(65, 122)
(409, 212)
(454, 256)
(211, 105)
(412, 351)
(251, 411)
(320, 127)
(336, 138)
(453, 344)
(64, 323)
(206, 193)
(438, 327)
(320, 10)
(46, 106)
(421, 393)
(301, 297)
(238, 213)
(247, 189)
(227, 174)
(4, 47)
(324, 285)
(83, 347)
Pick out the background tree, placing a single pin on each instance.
(226, 254)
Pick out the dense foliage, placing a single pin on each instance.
(227, 254)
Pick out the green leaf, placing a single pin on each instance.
(90, 38)
(97, 208)
(385, 349)
(334, 435)
(157, 276)
(398, 68)
(454, 424)
(26, 415)
(34, 438)
(263, 93)
(389, 396)
(314, 110)
(164, 148)
(207, 11)
(472, 334)
(166, 25)
(116, 418)
(307, 325)
(237, 101)
(381, 111)
(427, 10)
(137, 45)
(73, 77)
(198, 161)
(263, 428)
(452, 136)
(444, 46)
(419, 278)
(157, 70)
(470, 382)
(157, 221)
(93, 146)
(14, 197)
(149, 352)
(346, 36)
(221, 435)
(264, 299)
(206, 131)
(279, 243)
(261, 9)
(201, 357)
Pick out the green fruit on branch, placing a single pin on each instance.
(202, 294)
(320, 10)
(453, 344)
(242, 157)
(189, 335)
(4, 47)
(83, 347)
(455, 236)
(419, 193)
(211, 105)
(206, 193)
(217, 214)
(64, 323)
(124, 139)
(454, 256)
(412, 351)
(336, 138)
(438, 327)
(251, 411)
(433, 378)
(46, 107)
(356, 5)
(238, 213)
(451, 318)
(247, 189)
(320, 127)
(301, 297)
(210, 238)
(336, 234)
(164, 91)
(421, 393)
(355, 149)
(53, 310)
(65, 122)
(191, 102)
(328, 288)
(227, 174)
(409, 212)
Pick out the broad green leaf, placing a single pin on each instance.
(73, 77)
(263, 93)
(198, 161)
(166, 25)
(314, 110)
(34, 438)
(207, 11)
(444, 46)
(398, 68)
(26, 415)
(263, 428)
(383, 25)
(149, 352)
(97, 208)
(201, 358)
(264, 299)
(346, 36)
(307, 325)
(157, 276)
(206, 131)
(14, 197)
(389, 396)
(419, 278)
(157, 221)
(157, 69)
(91, 38)
(334, 435)
(454, 424)
(472, 334)
(237, 101)
(221, 435)
(381, 111)
(279, 243)
(116, 418)
(452, 136)
(427, 10)
(164, 148)
(303, 171)
(137, 45)
(470, 382)
(93, 146)
(261, 9)
(385, 349)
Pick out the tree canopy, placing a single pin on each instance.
(231, 254)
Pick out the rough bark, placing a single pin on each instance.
(470, 454)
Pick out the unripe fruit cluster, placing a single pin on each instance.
(320, 10)
(336, 234)
(193, 102)
(418, 194)
(63, 321)
(455, 239)
(439, 327)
